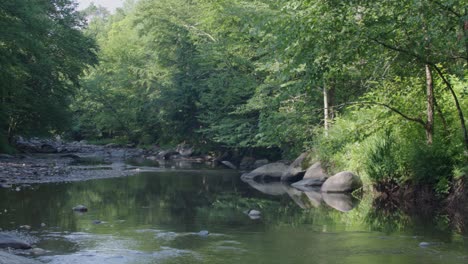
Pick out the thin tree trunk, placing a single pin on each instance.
(328, 102)
(326, 109)
(430, 106)
(331, 103)
(465, 33)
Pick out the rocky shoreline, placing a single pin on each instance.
(45, 161)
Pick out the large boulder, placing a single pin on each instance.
(316, 172)
(314, 177)
(304, 184)
(295, 171)
(292, 176)
(7, 258)
(297, 163)
(342, 182)
(273, 170)
(10, 241)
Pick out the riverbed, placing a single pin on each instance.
(200, 215)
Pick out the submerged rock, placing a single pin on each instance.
(253, 212)
(203, 233)
(38, 251)
(229, 164)
(6, 258)
(80, 208)
(10, 241)
(342, 182)
(424, 244)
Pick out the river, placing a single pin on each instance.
(162, 216)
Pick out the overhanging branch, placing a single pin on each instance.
(391, 108)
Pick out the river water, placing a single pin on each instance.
(161, 217)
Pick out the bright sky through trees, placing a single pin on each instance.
(109, 4)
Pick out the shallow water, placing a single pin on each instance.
(156, 217)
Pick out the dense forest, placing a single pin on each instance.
(375, 87)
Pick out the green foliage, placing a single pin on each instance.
(382, 146)
(460, 172)
(42, 53)
(246, 75)
(380, 157)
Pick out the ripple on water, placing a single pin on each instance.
(121, 256)
(94, 249)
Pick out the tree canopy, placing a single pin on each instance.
(43, 51)
(360, 82)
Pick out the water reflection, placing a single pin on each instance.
(306, 197)
(157, 218)
(343, 202)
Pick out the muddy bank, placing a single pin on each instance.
(391, 201)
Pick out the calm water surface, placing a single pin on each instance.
(156, 218)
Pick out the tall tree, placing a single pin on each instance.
(42, 53)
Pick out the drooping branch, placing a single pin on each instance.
(457, 104)
(200, 32)
(447, 8)
(391, 108)
(388, 46)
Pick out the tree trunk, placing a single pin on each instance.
(328, 96)
(430, 106)
(326, 109)
(465, 33)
